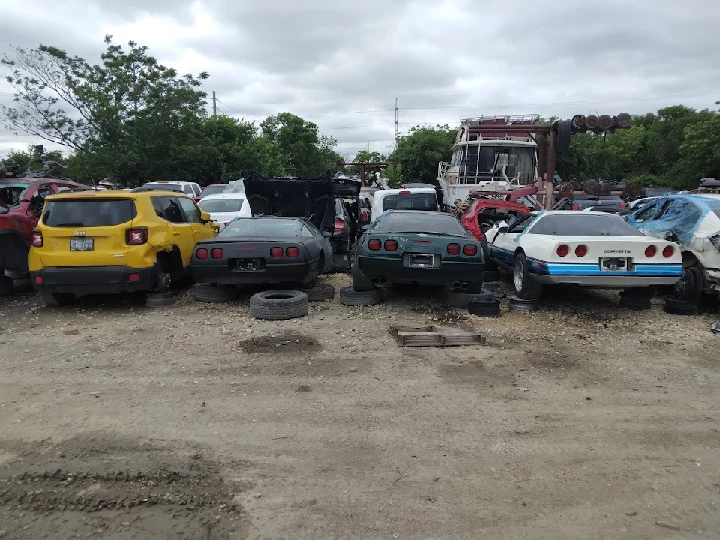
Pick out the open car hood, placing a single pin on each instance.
(310, 198)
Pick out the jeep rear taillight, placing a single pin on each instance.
(136, 237)
(37, 239)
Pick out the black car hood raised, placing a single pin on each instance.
(310, 198)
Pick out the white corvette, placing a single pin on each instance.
(591, 249)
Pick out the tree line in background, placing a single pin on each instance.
(134, 120)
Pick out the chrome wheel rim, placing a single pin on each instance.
(518, 275)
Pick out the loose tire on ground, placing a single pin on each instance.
(214, 293)
(484, 307)
(160, 299)
(279, 305)
(6, 286)
(351, 297)
(525, 286)
(680, 307)
(320, 292)
(54, 299)
(522, 304)
(461, 298)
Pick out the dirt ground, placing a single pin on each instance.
(195, 421)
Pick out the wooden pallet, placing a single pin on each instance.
(435, 336)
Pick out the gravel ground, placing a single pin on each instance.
(579, 421)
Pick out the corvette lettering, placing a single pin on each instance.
(616, 251)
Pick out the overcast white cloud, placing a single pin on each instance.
(341, 64)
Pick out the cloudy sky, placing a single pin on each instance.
(342, 63)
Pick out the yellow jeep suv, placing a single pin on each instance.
(95, 242)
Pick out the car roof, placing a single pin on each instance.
(570, 213)
(114, 194)
(231, 195)
(179, 182)
(423, 212)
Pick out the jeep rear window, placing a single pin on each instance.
(88, 213)
(414, 201)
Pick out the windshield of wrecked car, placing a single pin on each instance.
(411, 222)
(584, 225)
(212, 190)
(91, 213)
(262, 227)
(221, 205)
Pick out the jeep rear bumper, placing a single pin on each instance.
(94, 279)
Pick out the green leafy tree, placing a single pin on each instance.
(417, 154)
(124, 116)
(699, 153)
(302, 148)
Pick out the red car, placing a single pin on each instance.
(21, 202)
(483, 213)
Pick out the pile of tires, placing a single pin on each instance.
(522, 304)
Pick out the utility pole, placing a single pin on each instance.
(397, 125)
(214, 104)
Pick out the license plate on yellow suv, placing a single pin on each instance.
(82, 244)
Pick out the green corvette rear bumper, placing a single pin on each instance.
(395, 271)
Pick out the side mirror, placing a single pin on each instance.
(503, 230)
(204, 216)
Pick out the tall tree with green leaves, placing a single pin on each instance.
(304, 150)
(123, 116)
(417, 154)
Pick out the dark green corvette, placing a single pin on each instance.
(410, 246)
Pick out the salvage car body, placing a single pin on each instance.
(262, 250)
(590, 249)
(96, 242)
(691, 221)
(314, 199)
(224, 207)
(418, 246)
(21, 201)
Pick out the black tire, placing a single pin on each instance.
(521, 304)
(525, 285)
(7, 286)
(690, 287)
(214, 293)
(675, 306)
(491, 275)
(482, 307)
(55, 299)
(160, 299)
(279, 305)
(320, 292)
(361, 283)
(351, 297)
(461, 298)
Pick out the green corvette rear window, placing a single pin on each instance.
(418, 222)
